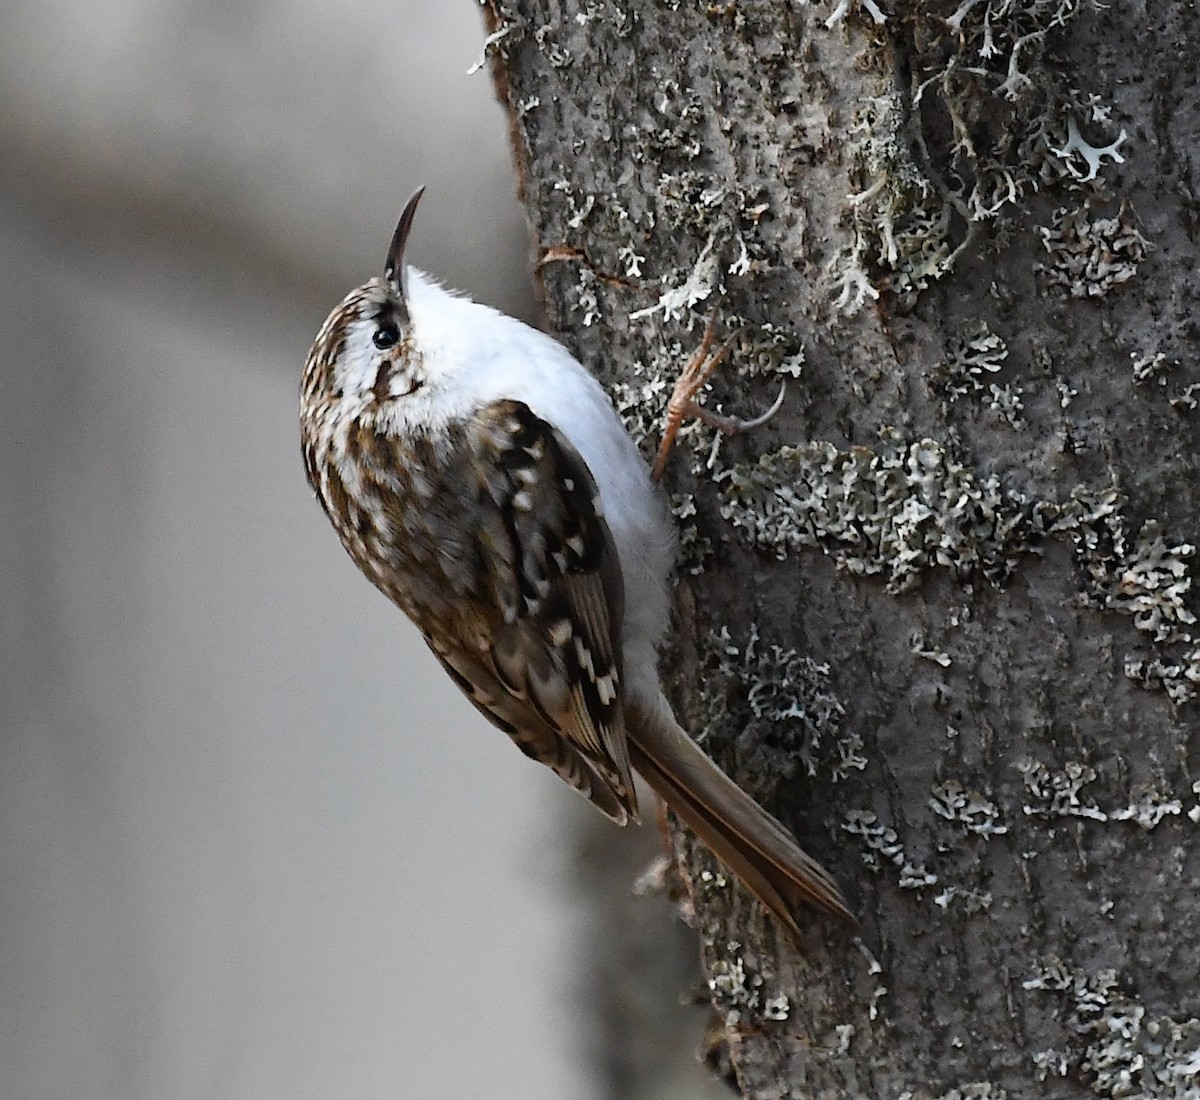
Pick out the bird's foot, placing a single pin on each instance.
(692, 379)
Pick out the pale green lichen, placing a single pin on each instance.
(778, 1007)
(1186, 400)
(763, 350)
(730, 989)
(974, 353)
(922, 648)
(1014, 129)
(675, 301)
(1050, 1063)
(1005, 400)
(554, 52)
(640, 399)
(899, 226)
(1148, 808)
(899, 513)
(695, 547)
(1124, 1050)
(1149, 579)
(892, 514)
(796, 716)
(587, 301)
(1090, 255)
(1180, 679)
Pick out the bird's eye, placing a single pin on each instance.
(386, 336)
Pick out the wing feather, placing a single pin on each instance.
(546, 666)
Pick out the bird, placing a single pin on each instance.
(481, 479)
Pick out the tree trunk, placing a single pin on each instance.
(938, 614)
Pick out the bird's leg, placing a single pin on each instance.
(692, 379)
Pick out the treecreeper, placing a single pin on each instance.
(481, 479)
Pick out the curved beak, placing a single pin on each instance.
(394, 269)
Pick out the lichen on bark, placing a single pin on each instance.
(966, 233)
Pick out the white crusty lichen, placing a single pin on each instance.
(778, 1007)
(1144, 575)
(1050, 1063)
(587, 299)
(881, 845)
(554, 52)
(974, 811)
(972, 901)
(694, 546)
(1180, 678)
(1186, 400)
(641, 399)
(977, 1090)
(632, 260)
(676, 300)
(764, 349)
(1060, 793)
(1005, 400)
(921, 647)
(689, 202)
(842, 9)
(792, 692)
(576, 213)
(740, 996)
(1151, 367)
(1148, 807)
(1122, 1048)
(851, 286)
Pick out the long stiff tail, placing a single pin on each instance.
(747, 839)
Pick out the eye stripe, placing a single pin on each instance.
(382, 377)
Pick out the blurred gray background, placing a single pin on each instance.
(252, 842)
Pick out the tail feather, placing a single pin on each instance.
(735, 827)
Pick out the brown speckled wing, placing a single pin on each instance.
(537, 650)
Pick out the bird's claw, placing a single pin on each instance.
(735, 425)
(692, 379)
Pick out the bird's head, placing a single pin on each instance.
(364, 354)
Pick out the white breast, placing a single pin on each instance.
(474, 356)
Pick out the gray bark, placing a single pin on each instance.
(938, 615)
